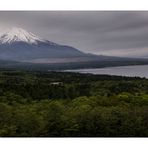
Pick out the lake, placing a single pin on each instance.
(132, 71)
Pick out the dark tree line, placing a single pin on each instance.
(58, 104)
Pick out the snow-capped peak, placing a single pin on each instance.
(19, 34)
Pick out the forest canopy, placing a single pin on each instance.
(61, 104)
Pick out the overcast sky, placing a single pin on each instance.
(108, 33)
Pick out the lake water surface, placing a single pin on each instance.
(138, 70)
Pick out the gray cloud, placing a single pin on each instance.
(110, 33)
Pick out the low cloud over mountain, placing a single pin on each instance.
(108, 33)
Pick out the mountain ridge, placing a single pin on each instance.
(20, 35)
(25, 48)
(19, 45)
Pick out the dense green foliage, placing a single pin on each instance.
(58, 104)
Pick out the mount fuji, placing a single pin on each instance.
(19, 47)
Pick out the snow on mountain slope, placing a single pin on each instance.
(18, 45)
(19, 35)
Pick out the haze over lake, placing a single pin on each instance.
(132, 71)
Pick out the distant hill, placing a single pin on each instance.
(22, 49)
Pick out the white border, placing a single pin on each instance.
(73, 5)
(74, 143)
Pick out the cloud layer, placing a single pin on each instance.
(110, 33)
